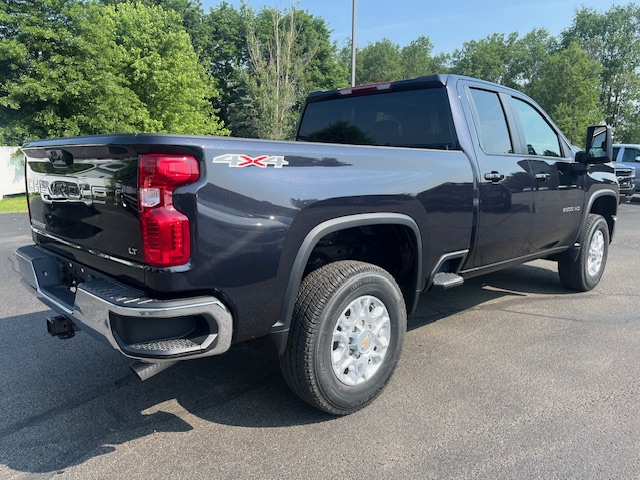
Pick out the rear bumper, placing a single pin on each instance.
(138, 326)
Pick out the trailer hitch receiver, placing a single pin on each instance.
(61, 327)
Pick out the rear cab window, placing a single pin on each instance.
(416, 118)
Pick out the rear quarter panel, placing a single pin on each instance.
(251, 221)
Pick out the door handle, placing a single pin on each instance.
(543, 177)
(494, 176)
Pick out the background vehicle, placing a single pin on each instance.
(628, 155)
(625, 173)
(626, 179)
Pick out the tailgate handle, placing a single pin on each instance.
(60, 157)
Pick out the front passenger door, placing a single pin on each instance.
(557, 196)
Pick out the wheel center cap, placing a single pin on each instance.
(365, 341)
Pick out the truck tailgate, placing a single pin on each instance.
(86, 198)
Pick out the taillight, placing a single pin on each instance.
(166, 238)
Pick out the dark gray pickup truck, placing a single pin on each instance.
(176, 247)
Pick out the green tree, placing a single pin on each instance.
(274, 77)
(70, 68)
(378, 62)
(385, 60)
(530, 53)
(417, 59)
(153, 54)
(567, 88)
(493, 58)
(44, 70)
(224, 53)
(613, 39)
(289, 55)
(509, 60)
(190, 12)
(629, 132)
(323, 71)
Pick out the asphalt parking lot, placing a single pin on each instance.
(509, 376)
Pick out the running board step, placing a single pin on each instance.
(444, 280)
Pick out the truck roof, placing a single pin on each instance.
(442, 79)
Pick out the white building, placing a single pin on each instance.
(11, 171)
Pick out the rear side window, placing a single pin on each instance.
(491, 122)
(409, 118)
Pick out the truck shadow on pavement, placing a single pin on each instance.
(76, 400)
(47, 428)
(514, 283)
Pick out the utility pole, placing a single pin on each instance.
(353, 46)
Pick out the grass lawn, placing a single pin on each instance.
(13, 204)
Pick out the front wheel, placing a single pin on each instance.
(585, 272)
(346, 336)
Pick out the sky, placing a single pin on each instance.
(447, 23)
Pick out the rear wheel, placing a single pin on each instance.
(585, 272)
(346, 336)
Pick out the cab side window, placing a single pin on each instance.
(491, 122)
(630, 154)
(541, 139)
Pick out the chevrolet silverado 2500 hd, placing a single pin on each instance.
(175, 247)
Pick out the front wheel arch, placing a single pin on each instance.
(604, 203)
(584, 271)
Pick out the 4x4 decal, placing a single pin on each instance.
(262, 161)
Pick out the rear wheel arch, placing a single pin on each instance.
(346, 336)
(328, 227)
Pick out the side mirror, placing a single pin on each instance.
(599, 146)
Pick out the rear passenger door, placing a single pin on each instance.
(505, 200)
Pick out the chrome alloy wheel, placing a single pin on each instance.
(360, 340)
(596, 253)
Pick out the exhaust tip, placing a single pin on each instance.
(146, 370)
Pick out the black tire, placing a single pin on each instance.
(324, 303)
(585, 272)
